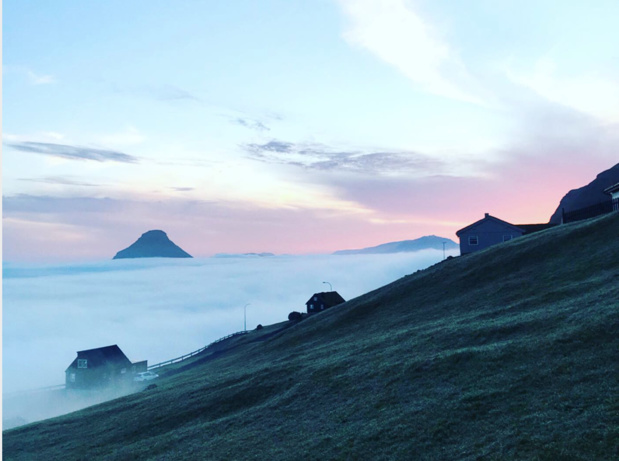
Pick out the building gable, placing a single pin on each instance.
(100, 357)
(101, 367)
(324, 300)
(489, 224)
(486, 232)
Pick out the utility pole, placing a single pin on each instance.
(444, 249)
(330, 287)
(245, 317)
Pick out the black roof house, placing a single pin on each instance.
(101, 367)
(321, 301)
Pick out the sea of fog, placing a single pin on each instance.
(157, 309)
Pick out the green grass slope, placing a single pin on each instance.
(509, 353)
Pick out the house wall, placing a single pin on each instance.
(316, 304)
(488, 233)
(139, 367)
(101, 376)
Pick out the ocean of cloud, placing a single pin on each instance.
(158, 309)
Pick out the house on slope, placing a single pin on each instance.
(613, 191)
(101, 367)
(321, 301)
(490, 231)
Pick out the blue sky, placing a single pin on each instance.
(296, 126)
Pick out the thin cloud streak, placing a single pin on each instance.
(73, 152)
(60, 180)
(163, 92)
(37, 79)
(255, 125)
(322, 158)
(173, 93)
(396, 34)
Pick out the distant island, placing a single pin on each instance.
(153, 244)
(429, 242)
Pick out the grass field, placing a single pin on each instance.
(509, 353)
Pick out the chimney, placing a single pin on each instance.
(486, 215)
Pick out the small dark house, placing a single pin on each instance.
(101, 367)
(490, 231)
(321, 301)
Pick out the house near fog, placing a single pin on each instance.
(102, 367)
(490, 231)
(321, 301)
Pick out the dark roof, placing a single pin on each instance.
(100, 356)
(487, 217)
(330, 298)
(611, 189)
(530, 228)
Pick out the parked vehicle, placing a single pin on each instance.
(146, 376)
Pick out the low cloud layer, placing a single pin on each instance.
(73, 152)
(158, 309)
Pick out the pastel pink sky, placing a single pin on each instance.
(286, 128)
(48, 229)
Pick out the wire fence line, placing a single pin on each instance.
(152, 367)
(191, 354)
(590, 211)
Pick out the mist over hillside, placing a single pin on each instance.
(156, 309)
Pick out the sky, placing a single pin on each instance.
(157, 309)
(296, 127)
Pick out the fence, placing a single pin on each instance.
(590, 211)
(191, 354)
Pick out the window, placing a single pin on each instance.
(473, 240)
(311, 307)
(507, 237)
(315, 298)
(82, 363)
(72, 377)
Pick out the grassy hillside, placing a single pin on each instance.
(509, 353)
